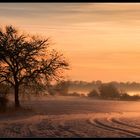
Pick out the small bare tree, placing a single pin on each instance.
(26, 59)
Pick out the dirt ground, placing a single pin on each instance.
(72, 117)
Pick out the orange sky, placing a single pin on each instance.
(100, 40)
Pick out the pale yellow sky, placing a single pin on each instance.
(100, 40)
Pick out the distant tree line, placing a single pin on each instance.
(99, 90)
(95, 84)
(110, 91)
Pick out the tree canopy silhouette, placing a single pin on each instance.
(109, 91)
(26, 59)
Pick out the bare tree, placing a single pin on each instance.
(26, 59)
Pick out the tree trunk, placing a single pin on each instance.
(17, 104)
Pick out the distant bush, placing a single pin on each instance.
(126, 96)
(51, 90)
(109, 91)
(61, 88)
(135, 97)
(93, 93)
(4, 89)
(82, 95)
(74, 94)
(3, 103)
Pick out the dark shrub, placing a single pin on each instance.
(74, 94)
(61, 88)
(109, 91)
(3, 96)
(125, 96)
(82, 95)
(3, 103)
(135, 97)
(93, 93)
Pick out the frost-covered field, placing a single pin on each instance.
(72, 117)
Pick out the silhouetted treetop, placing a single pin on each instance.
(26, 59)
